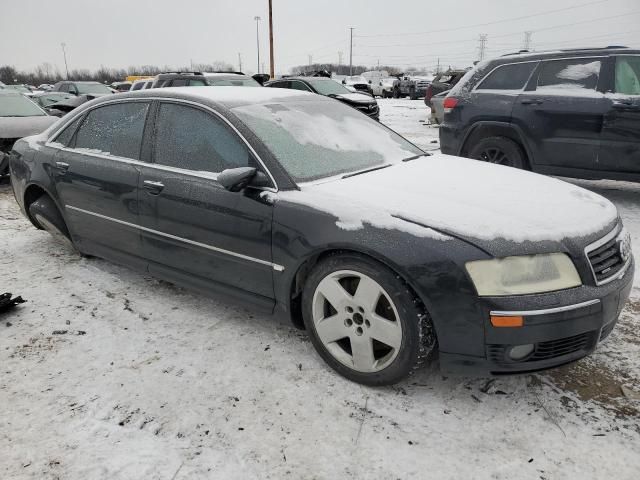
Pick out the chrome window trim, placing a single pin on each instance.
(275, 266)
(51, 140)
(546, 311)
(598, 243)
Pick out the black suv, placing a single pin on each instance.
(200, 79)
(573, 113)
(363, 102)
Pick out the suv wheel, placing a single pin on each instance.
(364, 321)
(498, 150)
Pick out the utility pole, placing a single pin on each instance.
(438, 67)
(339, 58)
(527, 40)
(257, 19)
(482, 45)
(378, 64)
(263, 69)
(310, 59)
(351, 53)
(272, 67)
(64, 52)
(239, 62)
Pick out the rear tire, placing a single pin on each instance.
(500, 151)
(377, 331)
(46, 216)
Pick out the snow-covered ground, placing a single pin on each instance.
(107, 373)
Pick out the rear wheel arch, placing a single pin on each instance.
(481, 131)
(31, 194)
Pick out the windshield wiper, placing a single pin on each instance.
(415, 157)
(366, 170)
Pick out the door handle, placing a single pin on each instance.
(531, 102)
(154, 188)
(62, 166)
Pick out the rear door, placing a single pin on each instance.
(194, 230)
(561, 113)
(620, 150)
(96, 178)
(493, 98)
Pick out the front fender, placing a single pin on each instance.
(432, 265)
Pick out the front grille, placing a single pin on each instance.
(606, 260)
(543, 350)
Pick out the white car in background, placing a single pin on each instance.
(383, 87)
(141, 84)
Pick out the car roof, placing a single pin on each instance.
(228, 97)
(572, 52)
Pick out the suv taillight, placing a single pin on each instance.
(449, 104)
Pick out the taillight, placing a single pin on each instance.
(449, 104)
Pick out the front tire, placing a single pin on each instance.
(364, 321)
(498, 150)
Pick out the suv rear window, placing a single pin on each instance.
(508, 77)
(580, 73)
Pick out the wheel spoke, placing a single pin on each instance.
(331, 329)
(331, 289)
(386, 331)
(362, 351)
(367, 294)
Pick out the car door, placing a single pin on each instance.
(95, 173)
(195, 231)
(561, 113)
(620, 149)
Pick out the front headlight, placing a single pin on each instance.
(523, 275)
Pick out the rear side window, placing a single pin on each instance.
(508, 77)
(137, 86)
(284, 84)
(628, 75)
(114, 129)
(570, 74)
(64, 138)
(179, 82)
(197, 83)
(192, 139)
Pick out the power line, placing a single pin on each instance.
(523, 17)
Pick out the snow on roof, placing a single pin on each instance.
(235, 95)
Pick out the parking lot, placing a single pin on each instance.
(107, 373)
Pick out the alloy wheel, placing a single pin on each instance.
(356, 321)
(494, 155)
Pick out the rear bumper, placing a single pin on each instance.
(450, 139)
(560, 333)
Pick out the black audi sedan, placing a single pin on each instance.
(330, 88)
(299, 205)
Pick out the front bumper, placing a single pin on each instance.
(563, 327)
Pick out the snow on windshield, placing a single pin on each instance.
(318, 139)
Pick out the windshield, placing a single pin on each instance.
(51, 98)
(92, 88)
(232, 82)
(317, 139)
(326, 86)
(17, 105)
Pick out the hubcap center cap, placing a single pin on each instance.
(357, 319)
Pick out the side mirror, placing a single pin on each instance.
(236, 179)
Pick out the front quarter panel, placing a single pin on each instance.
(431, 263)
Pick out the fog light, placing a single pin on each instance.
(521, 351)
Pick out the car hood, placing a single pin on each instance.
(18, 127)
(494, 207)
(355, 98)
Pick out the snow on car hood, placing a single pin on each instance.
(466, 198)
(356, 98)
(18, 127)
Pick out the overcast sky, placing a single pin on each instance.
(119, 33)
